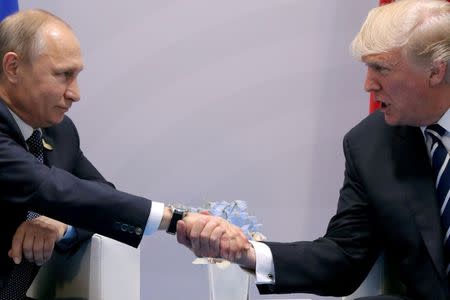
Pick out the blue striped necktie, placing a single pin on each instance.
(23, 274)
(441, 167)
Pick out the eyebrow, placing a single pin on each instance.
(75, 69)
(373, 64)
(382, 63)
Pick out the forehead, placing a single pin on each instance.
(392, 57)
(61, 47)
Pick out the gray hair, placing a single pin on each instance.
(21, 33)
(420, 28)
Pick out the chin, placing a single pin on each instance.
(391, 121)
(55, 121)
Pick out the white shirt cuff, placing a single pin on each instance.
(265, 270)
(155, 217)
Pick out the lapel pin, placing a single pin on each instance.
(47, 145)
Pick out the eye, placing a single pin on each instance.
(68, 74)
(65, 74)
(380, 68)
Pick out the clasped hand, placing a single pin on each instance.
(35, 239)
(210, 236)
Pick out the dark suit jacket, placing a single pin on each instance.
(387, 203)
(67, 188)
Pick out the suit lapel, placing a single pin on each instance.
(414, 164)
(9, 126)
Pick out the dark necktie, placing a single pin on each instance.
(23, 274)
(441, 167)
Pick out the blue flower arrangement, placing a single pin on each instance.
(236, 213)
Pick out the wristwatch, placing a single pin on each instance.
(177, 214)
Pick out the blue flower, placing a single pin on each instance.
(236, 213)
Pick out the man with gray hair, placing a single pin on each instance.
(395, 196)
(44, 175)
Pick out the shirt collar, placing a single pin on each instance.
(25, 129)
(444, 122)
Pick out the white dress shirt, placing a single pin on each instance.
(445, 123)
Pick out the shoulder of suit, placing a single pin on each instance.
(372, 125)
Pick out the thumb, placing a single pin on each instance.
(182, 234)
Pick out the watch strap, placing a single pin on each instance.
(177, 214)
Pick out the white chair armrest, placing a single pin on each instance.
(101, 269)
(374, 284)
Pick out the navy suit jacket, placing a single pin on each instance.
(67, 187)
(387, 204)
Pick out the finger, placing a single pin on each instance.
(233, 245)
(49, 245)
(205, 236)
(17, 244)
(195, 236)
(241, 243)
(38, 250)
(214, 241)
(182, 237)
(27, 246)
(225, 245)
(237, 242)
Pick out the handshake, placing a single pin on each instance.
(211, 236)
(204, 234)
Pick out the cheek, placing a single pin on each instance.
(400, 93)
(52, 95)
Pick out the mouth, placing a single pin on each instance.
(383, 104)
(65, 109)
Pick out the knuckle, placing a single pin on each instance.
(28, 255)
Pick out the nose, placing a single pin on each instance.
(371, 84)
(73, 91)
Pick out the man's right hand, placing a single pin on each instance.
(35, 239)
(210, 236)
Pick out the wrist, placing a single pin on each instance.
(248, 260)
(165, 221)
(178, 213)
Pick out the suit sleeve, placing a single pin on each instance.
(337, 263)
(85, 170)
(84, 203)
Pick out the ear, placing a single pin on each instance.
(437, 73)
(10, 64)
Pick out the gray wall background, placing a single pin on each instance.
(193, 101)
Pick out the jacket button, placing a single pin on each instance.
(138, 231)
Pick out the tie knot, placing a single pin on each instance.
(34, 141)
(436, 130)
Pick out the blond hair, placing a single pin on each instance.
(420, 28)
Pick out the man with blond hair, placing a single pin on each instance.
(395, 196)
(44, 175)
